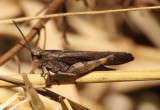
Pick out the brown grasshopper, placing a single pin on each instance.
(75, 63)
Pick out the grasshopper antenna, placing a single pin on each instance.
(29, 48)
(24, 46)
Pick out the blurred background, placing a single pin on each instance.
(136, 32)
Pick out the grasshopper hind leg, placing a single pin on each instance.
(81, 68)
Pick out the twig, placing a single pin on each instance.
(22, 19)
(93, 77)
(64, 24)
(15, 57)
(53, 7)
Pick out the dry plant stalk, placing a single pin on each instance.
(22, 19)
(93, 77)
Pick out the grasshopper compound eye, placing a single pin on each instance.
(39, 57)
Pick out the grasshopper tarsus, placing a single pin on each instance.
(57, 81)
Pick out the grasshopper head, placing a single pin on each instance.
(37, 56)
(36, 53)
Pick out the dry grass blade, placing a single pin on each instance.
(10, 100)
(65, 104)
(54, 96)
(32, 95)
(18, 104)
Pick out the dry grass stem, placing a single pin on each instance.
(47, 93)
(22, 19)
(117, 76)
(9, 80)
(93, 77)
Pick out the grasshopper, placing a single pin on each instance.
(75, 63)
